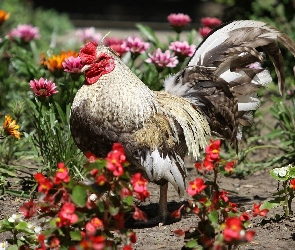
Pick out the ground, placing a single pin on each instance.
(255, 188)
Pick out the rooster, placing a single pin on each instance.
(215, 93)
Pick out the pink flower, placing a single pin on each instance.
(112, 40)
(116, 44)
(135, 45)
(139, 185)
(25, 32)
(196, 186)
(213, 150)
(93, 225)
(210, 22)
(88, 35)
(62, 174)
(139, 214)
(115, 159)
(43, 87)
(182, 48)
(204, 31)
(72, 65)
(178, 20)
(119, 49)
(162, 59)
(66, 215)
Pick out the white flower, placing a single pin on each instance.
(37, 229)
(281, 172)
(15, 218)
(3, 245)
(93, 197)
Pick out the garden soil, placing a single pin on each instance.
(271, 234)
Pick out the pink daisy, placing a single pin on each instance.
(43, 87)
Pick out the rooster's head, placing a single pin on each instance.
(97, 61)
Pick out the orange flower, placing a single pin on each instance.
(3, 16)
(54, 63)
(10, 127)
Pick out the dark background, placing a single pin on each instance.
(120, 11)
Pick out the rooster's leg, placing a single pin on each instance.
(163, 209)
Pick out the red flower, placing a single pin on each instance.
(249, 235)
(127, 247)
(54, 243)
(221, 195)
(256, 211)
(138, 214)
(213, 150)
(90, 157)
(233, 227)
(208, 164)
(210, 22)
(93, 225)
(199, 166)
(28, 209)
(232, 207)
(93, 242)
(292, 184)
(41, 239)
(177, 213)
(101, 180)
(204, 31)
(125, 192)
(62, 174)
(120, 220)
(244, 217)
(115, 159)
(139, 185)
(179, 232)
(229, 166)
(196, 186)
(132, 237)
(45, 184)
(66, 215)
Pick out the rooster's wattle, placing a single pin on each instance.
(215, 93)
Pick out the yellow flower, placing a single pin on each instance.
(54, 63)
(10, 127)
(3, 16)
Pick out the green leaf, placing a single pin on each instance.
(79, 196)
(114, 210)
(148, 33)
(273, 203)
(292, 172)
(100, 206)
(13, 247)
(128, 200)
(192, 244)
(75, 235)
(21, 226)
(213, 217)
